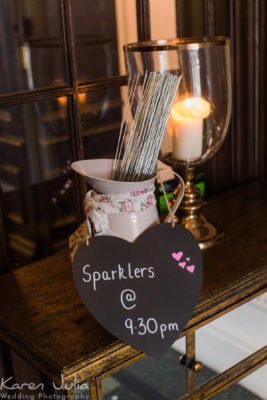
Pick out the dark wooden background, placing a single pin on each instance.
(242, 157)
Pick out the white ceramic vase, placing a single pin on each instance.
(126, 225)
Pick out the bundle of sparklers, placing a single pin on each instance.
(138, 161)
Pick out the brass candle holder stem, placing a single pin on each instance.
(190, 214)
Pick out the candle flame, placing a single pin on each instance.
(191, 108)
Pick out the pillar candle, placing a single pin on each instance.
(187, 117)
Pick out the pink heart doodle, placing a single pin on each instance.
(190, 268)
(188, 259)
(177, 256)
(182, 264)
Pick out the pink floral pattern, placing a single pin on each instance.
(127, 206)
(99, 206)
(121, 203)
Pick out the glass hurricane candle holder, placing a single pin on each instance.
(200, 114)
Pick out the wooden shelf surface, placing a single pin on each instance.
(44, 320)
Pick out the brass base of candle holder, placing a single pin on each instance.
(190, 216)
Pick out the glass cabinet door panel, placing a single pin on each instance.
(101, 113)
(95, 38)
(35, 179)
(230, 339)
(31, 40)
(149, 378)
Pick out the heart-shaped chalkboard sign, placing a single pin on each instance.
(143, 293)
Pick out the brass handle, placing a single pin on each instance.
(196, 366)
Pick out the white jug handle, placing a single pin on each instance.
(171, 216)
